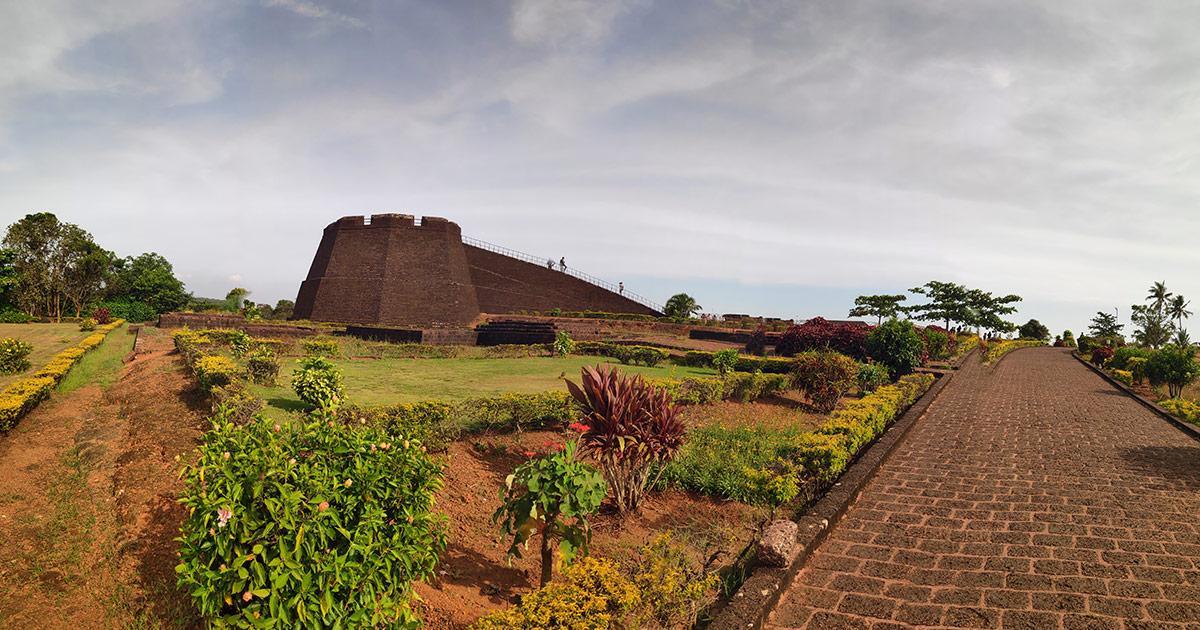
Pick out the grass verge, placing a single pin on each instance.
(102, 365)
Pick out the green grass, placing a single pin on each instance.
(391, 381)
(47, 340)
(101, 365)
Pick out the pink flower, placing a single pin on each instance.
(579, 426)
(348, 483)
(247, 596)
(323, 506)
(223, 516)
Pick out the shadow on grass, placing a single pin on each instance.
(287, 404)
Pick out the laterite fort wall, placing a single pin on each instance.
(391, 269)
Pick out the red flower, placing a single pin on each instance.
(529, 453)
(578, 426)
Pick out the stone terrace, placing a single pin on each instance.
(1031, 495)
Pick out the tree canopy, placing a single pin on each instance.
(878, 306)
(681, 306)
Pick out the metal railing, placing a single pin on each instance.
(549, 263)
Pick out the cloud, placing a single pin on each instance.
(772, 153)
(317, 12)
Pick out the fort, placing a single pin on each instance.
(397, 270)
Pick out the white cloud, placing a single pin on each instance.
(315, 11)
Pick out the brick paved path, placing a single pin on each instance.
(1031, 496)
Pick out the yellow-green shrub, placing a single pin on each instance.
(1123, 376)
(1183, 409)
(320, 347)
(14, 355)
(672, 592)
(215, 371)
(593, 595)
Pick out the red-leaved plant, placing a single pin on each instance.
(102, 315)
(628, 426)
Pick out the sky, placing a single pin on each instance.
(775, 158)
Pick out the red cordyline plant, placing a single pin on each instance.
(628, 426)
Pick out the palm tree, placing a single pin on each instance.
(1158, 295)
(681, 306)
(1177, 309)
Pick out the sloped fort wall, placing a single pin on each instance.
(391, 269)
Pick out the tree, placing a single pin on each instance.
(879, 306)
(985, 311)
(283, 309)
(898, 345)
(1158, 295)
(1177, 310)
(55, 263)
(150, 279)
(1033, 329)
(235, 298)
(1153, 329)
(1173, 366)
(681, 306)
(947, 302)
(1105, 325)
(8, 280)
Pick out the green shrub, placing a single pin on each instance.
(1084, 344)
(14, 355)
(745, 363)
(937, 343)
(307, 524)
(554, 494)
(320, 347)
(432, 421)
(693, 390)
(1174, 367)
(215, 371)
(563, 344)
(824, 377)
(1137, 368)
(1121, 356)
(239, 342)
(997, 350)
(516, 412)
(725, 361)
(1068, 339)
(318, 382)
(128, 310)
(872, 376)
(897, 345)
(635, 355)
(12, 316)
(745, 388)
(672, 589)
(87, 324)
(1033, 329)
(263, 366)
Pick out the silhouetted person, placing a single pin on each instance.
(562, 263)
(621, 288)
(550, 264)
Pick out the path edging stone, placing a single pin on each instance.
(759, 594)
(1191, 430)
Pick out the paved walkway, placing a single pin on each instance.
(1031, 496)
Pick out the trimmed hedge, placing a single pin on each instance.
(22, 396)
(629, 355)
(998, 350)
(707, 390)
(745, 363)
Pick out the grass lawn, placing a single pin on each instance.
(102, 364)
(390, 381)
(47, 340)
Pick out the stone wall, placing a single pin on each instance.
(223, 320)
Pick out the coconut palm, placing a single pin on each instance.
(1158, 295)
(1177, 309)
(681, 306)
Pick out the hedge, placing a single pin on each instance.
(642, 355)
(23, 395)
(745, 363)
(998, 350)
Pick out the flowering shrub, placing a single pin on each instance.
(262, 366)
(630, 427)
(320, 347)
(553, 493)
(1101, 355)
(87, 324)
(821, 334)
(215, 371)
(307, 524)
(824, 377)
(725, 361)
(1174, 367)
(897, 345)
(14, 355)
(563, 344)
(593, 595)
(318, 382)
(1123, 376)
(871, 376)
